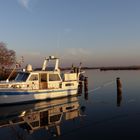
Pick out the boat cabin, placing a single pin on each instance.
(43, 79)
(39, 79)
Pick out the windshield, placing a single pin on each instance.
(22, 77)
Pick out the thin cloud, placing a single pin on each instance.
(77, 51)
(67, 30)
(24, 3)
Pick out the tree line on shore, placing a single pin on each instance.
(7, 59)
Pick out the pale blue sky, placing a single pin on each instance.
(96, 32)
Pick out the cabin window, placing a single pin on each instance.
(69, 84)
(43, 77)
(22, 76)
(54, 77)
(69, 107)
(33, 77)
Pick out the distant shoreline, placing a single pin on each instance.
(120, 68)
(109, 68)
(4, 74)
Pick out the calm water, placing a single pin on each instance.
(101, 115)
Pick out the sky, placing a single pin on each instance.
(94, 32)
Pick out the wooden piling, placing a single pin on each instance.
(119, 91)
(86, 95)
(118, 81)
(80, 87)
(86, 84)
(119, 97)
(86, 88)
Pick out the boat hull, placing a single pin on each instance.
(13, 97)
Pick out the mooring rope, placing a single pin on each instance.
(102, 86)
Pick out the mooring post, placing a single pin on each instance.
(86, 87)
(86, 83)
(80, 87)
(119, 91)
(118, 81)
(86, 95)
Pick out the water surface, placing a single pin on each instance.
(101, 115)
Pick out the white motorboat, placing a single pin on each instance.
(31, 85)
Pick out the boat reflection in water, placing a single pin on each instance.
(46, 114)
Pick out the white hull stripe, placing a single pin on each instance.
(34, 92)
